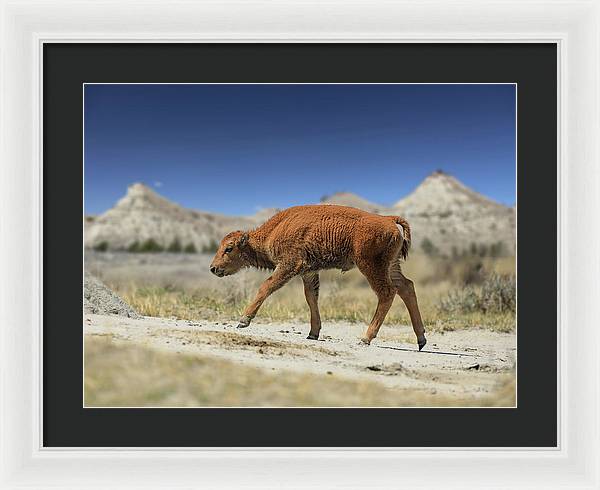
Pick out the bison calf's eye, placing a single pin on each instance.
(228, 249)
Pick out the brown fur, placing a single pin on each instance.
(303, 240)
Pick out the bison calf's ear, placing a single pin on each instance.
(243, 239)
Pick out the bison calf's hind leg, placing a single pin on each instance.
(311, 291)
(406, 290)
(380, 283)
(386, 298)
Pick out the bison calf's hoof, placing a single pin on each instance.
(312, 337)
(364, 341)
(422, 343)
(244, 322)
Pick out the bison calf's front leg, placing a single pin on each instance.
(244, 321)
(271, 284)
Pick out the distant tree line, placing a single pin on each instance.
(101, 247)
(151, 246)
(211, 247)
(497, 249)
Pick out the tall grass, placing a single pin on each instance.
(452, 294)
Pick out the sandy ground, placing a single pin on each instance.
(457, 363)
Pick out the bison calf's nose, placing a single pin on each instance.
(213, 269)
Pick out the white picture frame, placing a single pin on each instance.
(573, 25)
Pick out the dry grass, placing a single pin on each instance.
(167, 286)
(345, 297)
(354, 305)
(127, 375)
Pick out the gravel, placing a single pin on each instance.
(100, 300)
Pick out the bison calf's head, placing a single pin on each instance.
(229, 257)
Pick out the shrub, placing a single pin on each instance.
(471, 271)
(175, 246)
(428, 247)
(134, 247)
(473, 248)
(101, 247)
(498, 249)
(497, 294)
(190, 249)
(151, 246)
(210, 247)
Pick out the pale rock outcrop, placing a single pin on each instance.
(441, 210)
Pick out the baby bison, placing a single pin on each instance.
(303, 240)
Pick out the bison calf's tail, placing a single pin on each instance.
(404, 227)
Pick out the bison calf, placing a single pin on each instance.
(306, 239)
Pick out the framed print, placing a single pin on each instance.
(324, 249)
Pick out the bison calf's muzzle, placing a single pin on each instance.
(217, 272)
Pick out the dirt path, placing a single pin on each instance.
(464, 362)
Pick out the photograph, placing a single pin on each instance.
(299, 245)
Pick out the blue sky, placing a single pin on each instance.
(237, 148)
